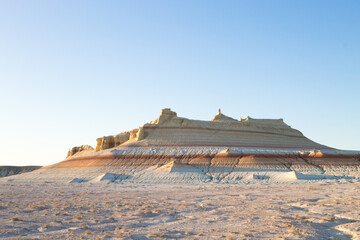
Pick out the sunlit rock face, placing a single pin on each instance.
(221, 150)
(79, 150)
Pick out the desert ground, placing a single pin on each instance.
(318, 210)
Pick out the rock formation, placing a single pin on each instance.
(170, 130)
(219, 117)
(13, 170)
(80, 149)
(221, 150)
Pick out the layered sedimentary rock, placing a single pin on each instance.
(170, 130)
(221, 150)
(112, 141)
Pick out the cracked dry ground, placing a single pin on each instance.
(210, 211)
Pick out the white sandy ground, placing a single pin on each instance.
(326, 209)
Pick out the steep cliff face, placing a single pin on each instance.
(13, 170)
(79, 149)
(107, 142)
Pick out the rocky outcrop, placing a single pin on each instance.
(165, 115)
(219, 117)
(13, 170)
(107, 142)
(79, 149)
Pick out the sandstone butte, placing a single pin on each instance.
(223, 150)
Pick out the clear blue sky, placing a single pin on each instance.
(72, 71)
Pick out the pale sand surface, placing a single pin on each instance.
(158, 211)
